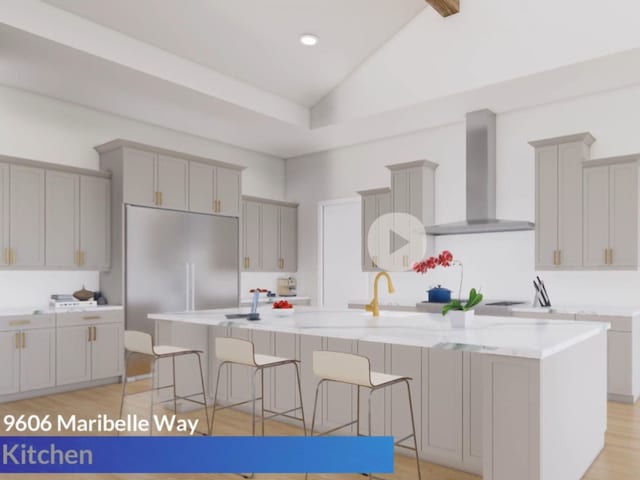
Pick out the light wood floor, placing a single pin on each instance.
(620, 459)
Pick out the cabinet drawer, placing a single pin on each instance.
(27, 322)
(618, 323)
(89, 318)
(545, 315)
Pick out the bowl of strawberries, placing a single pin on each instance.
(282, 308)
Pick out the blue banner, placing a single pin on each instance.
(196, 454)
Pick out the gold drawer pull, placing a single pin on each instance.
(16, 323)
(24, 340)
(12, 260)
(17, 341)
(95, 317)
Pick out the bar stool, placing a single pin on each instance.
(142, 343)
(241, 352)
(356, 370)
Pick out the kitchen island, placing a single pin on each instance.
(503, 398)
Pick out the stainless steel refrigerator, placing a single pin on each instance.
(178, 261)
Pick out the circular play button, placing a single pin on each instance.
(396, 241)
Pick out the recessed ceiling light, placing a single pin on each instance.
(308, 39)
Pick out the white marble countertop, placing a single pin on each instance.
(528, 338)
(15, 312)
(603, 310)
(264, 299)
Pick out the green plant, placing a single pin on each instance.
(474, 299)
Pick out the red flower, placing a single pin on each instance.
(444, 259)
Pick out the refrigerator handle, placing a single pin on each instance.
(193, 286)
(187, 295)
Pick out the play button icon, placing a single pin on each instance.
(396, 241)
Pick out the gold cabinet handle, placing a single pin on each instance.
(219, 206)
(95, 333)
(17, 341)
(155, 198)
(606, 256)
(161, 201)
(610, 256)
(24, 340)
(89, 332)
(559, 257)
(82, 258)
(94, 317)
(12, 260)
(213, 206)
(248, 262)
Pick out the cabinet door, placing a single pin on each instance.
(270, 237)
(37, 359)
(251, 236)
(228, 191)
(139, 177)
(172, 182)
(623, 214)
(400, 191)
(384, 204)
(369, 215)
(26, 229)
(95, 222)
(10, 361)
(241, 379)
(619, 363)
(570, 158)
(406, 361)
(62, 219)
(201, 187)
(73, 355)
(107, 352)
(472, 416)
(596, 215)
(442, 401)
(4, 215)
(289, 238)
(340, 399)
(546, 206)
(401, 203)
(284, 390)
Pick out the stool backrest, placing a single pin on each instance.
(235, 350)
(342, 367)
(138, 342)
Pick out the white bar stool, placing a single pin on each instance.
(356, 370)
(142, 343)
(241, 352)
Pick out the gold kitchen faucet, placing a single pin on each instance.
(374, 306)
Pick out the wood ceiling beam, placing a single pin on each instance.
(445, 7)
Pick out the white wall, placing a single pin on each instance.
(41, 128)
(501, 263)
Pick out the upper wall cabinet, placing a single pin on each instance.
(214, 189)
(157, 177)
(269, 235)
(559, 200)
(375, 203)
(53, 217)
(611, 213)
(22, 216)
(412, 192)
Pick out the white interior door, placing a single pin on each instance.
(342, 275)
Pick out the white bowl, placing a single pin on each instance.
(282, 312)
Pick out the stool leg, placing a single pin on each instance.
(304, 424)
(124, 383)
(151, 392)
(215, 397)
(369, 419)
(313, 417)
(253, 403)
(262, 401)
(175, 393)
(413, 426)
(204, 393)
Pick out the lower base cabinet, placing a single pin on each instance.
(89, 346)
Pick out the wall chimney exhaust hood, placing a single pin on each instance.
(481, 182)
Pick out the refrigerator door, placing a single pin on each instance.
(156, 264)
(213, 255)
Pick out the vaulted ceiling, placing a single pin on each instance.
(234, 71)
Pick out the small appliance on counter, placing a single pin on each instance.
(439, 294)
(69, 301)
(286, 287)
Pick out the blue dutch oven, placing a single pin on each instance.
(439, 295)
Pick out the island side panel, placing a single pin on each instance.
(535, 410)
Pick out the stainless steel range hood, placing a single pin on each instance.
(481, 182)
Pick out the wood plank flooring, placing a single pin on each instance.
(620, 459)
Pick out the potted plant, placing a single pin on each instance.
(459, 313)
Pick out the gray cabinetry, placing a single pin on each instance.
(269, 235)
(559, 200)
(611, 213)
(139, 177)
(26, 216)
(77, 221)
(375, 203)
(4, 215)
(171, 182)
(227, 191)
(214, 189)
(62, 219)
